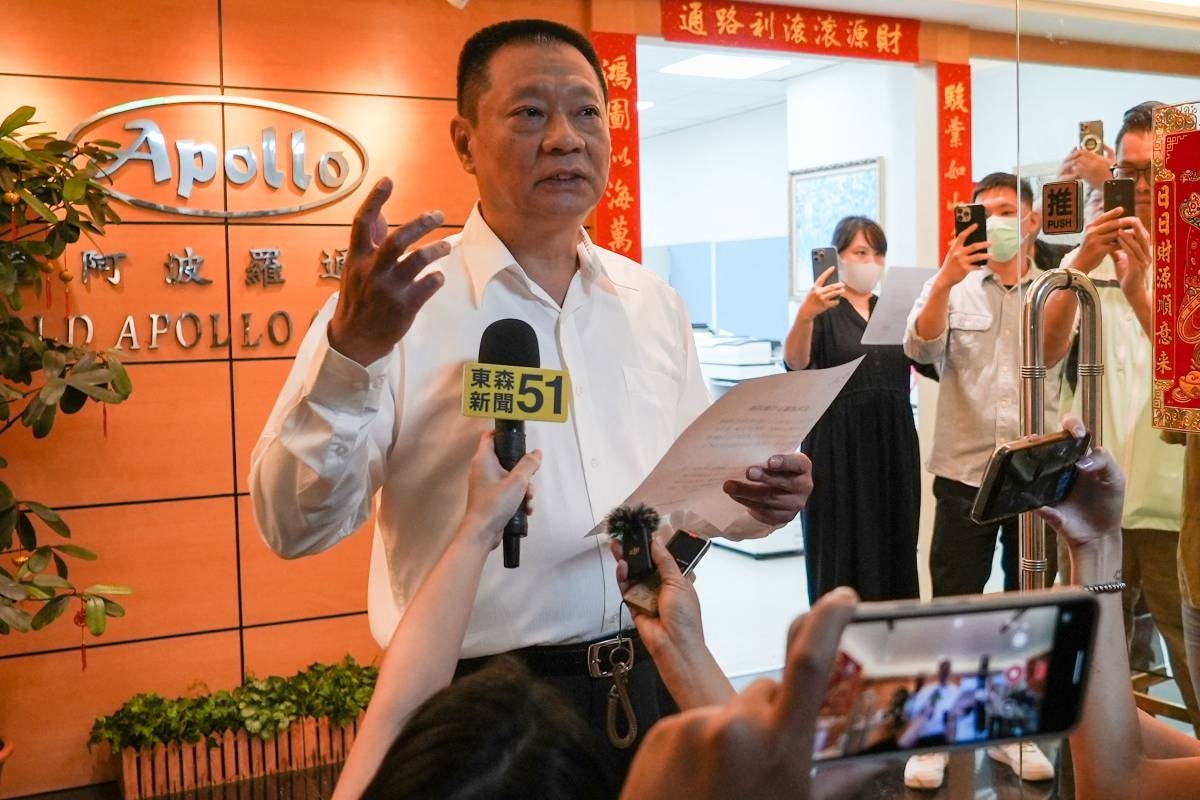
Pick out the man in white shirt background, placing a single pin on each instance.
(373, 404)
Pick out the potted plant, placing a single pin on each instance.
(265, 726)
(50, 195)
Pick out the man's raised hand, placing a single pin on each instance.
(381, 294)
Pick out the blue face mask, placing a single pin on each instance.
(1004, 236)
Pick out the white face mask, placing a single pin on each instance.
(861, 276)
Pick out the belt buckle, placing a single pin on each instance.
(599, 655)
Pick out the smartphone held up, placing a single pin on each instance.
(957, 672)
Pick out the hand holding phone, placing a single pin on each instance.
(686, 549)
(957, 672)
(973, 252)
(822, 259)
(1119, 193)
(1027, 474)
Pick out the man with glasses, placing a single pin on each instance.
(1116, 253)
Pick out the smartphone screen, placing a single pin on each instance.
(1028, 474)
(822, 259)
(687, 549)
(967, 215)
(1091, 135)
(954, 676)
(1119, 192)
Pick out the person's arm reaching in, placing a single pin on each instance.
(320, 458)
(1112, 757)
(797, 348)
(675, 637)
(425, 648)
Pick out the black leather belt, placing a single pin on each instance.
(592, 659)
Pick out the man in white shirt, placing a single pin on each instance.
(373, 404)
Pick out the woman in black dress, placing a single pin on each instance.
(860, 524)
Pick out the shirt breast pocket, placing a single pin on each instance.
(653, 398)
(968, 342)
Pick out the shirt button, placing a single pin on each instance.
(595, 463)
(339, 449)
(377, 382)
(1007, 331)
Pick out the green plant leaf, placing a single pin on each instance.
(54, 362)
(52, 391)
(6, 496)
(50, 517)
(38, 206)
(8, 523)
(12, 150)
(26, 534)
(75, 188)
(48, 580)
(95, 392)
(50, 612)
(105, 588)
(93, 611)
(17, 619)
(112, 608)
(17, 119)
(121, 383)
(75, 550)
(36, 592)
(12, 590)
(72, 400)
(58, 147)
(60, 566)
(39, 560)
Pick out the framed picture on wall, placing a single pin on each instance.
(820, 196)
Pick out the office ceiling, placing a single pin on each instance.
(681, 102)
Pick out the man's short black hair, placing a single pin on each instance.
(1004, 180)
(1139, 119)
(478, 51)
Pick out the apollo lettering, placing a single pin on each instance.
(198, 162)
(278, 158)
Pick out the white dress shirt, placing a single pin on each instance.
(340, 433)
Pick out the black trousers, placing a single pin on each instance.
(960, 557)
(589, 696)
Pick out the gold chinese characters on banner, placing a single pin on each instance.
(797, 30)
(1175, 395)
(619, 214)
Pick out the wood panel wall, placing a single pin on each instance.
(163, 496)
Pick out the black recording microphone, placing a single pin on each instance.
(511, 342)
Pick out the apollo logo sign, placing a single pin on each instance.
(226, 157)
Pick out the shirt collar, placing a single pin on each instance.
(485, 257)
(1031, 273)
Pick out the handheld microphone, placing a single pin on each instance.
(511, 342)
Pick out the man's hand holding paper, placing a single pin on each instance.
(703, 483)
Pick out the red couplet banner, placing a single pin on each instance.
(795, 30)
(955, 180)
(1175, 395)
(619, 214)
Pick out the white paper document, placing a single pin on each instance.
(901, 288)
(753, 421)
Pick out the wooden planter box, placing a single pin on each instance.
(184, 766)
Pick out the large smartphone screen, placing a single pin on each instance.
(919, 682)
(1028, 474)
